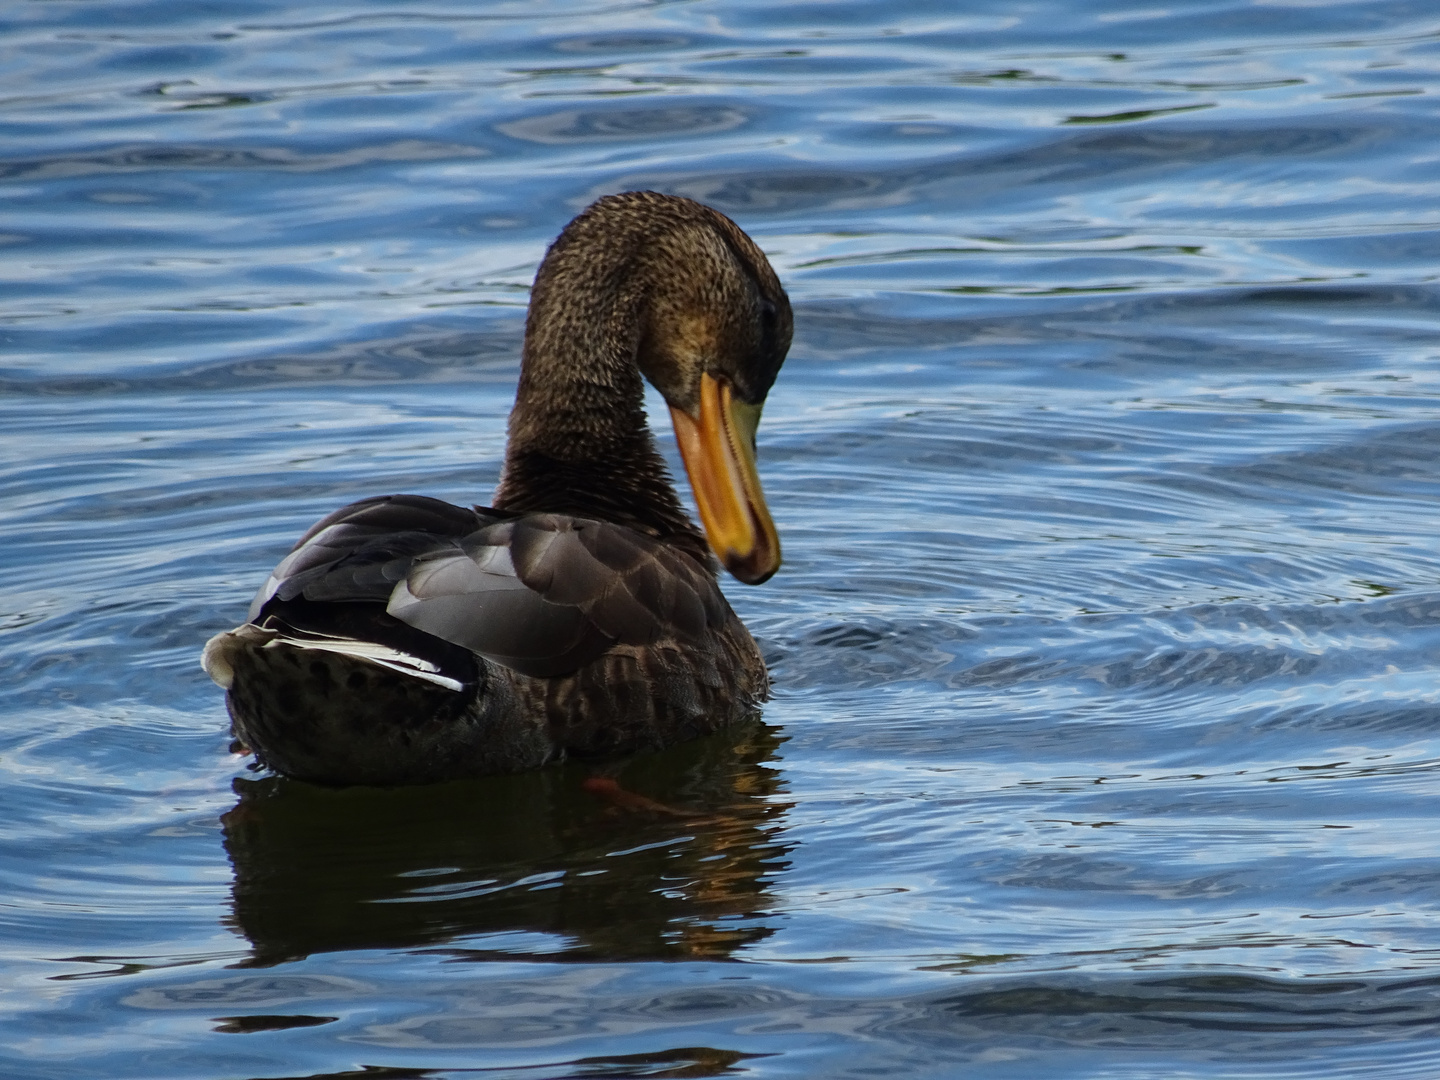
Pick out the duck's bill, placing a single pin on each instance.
(719, 451)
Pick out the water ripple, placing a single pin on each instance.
(1103, 740)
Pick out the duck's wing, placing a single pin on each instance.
(546, 593)
(542, 594)
(360, 551)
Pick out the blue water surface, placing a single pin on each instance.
(1106, 734)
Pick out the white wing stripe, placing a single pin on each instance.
(371, 652)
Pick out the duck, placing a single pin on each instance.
(407, 640)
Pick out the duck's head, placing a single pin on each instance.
(675, 289)
(717, 331)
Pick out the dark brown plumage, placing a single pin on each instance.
(405, 640)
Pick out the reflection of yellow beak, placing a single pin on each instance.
(719, 452)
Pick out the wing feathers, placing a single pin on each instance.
(542, 594)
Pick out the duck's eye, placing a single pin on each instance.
(768, 315)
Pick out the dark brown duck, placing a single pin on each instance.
(406, 640)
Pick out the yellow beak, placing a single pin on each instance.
(719, 452)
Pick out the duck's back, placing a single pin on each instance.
(407, 639)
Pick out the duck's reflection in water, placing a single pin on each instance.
(672, 863)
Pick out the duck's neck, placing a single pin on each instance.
(578, 438)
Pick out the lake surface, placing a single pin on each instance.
(1106, 733)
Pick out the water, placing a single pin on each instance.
(1107, 730)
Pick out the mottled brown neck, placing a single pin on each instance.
(579, 442)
